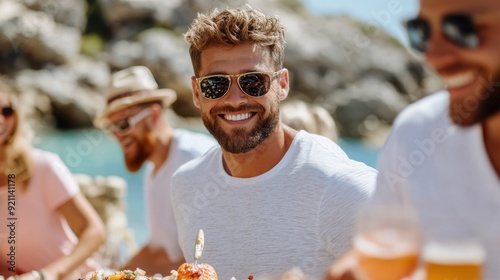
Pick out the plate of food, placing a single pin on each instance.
(187, 271)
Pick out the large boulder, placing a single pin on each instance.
(30, 38)
(361, 75)
(107, 196)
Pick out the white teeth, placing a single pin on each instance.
(239, 117)
(459, 80)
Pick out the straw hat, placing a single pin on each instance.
(132, 86)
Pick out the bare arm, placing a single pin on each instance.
(88, 227)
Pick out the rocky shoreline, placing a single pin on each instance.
(60, 54)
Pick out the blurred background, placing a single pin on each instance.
(348, 57)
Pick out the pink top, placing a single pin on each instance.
(41, 234)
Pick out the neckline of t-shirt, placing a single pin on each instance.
(480, 158)
(277, 168)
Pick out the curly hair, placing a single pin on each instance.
(17, 146)
(234, 27)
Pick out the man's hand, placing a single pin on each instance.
(346, 268)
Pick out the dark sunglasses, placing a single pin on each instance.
(254, 84)
(126, 125)
(457, 28)
(7, 111)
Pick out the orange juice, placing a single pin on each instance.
(457, 262)
(387, 255)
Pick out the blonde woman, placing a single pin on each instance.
(49, 230)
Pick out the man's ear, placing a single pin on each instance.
(196, 93)
(283, 79)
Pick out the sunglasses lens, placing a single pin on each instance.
(123, 126)
(7, 111)
(255, 84)
(418, 33)
(119, 127)
(460, 30)
(214, 87)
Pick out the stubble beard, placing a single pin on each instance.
(487, 96)
(239, 140)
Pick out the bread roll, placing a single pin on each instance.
(203, 271)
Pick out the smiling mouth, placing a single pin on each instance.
(238, 117)
(459, 80)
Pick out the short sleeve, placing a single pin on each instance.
(340, 206)
(58, 184)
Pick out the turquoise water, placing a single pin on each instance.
(94, 153)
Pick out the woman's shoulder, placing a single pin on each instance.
(44, 156)
(45, 159)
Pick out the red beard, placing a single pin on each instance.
(145, 147)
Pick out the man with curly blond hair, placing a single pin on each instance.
(269, 198)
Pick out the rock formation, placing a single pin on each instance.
(60, 53)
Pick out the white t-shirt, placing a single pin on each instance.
(444, 171)
(41, 234)
(185, 146)
(298, 214)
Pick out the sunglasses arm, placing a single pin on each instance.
(196, 92)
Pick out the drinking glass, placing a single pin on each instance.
(454, 258)
(388, 241)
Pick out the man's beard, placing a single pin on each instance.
(491, 104)
(488, 103)
(144, 150)
(238, 140)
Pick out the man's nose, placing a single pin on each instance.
(235, 96)
(440, 52)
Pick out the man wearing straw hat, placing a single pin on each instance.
(133, 115)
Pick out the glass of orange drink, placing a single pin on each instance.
(453, 258)
(387, 242)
